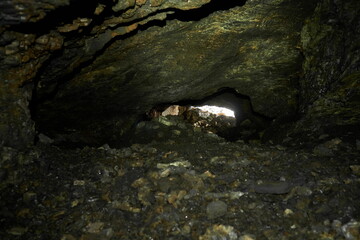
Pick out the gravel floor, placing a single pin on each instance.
(178, 182)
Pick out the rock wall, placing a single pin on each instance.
(330, 85)
(47, 41)
(330, 42)
(253, 48)
(87, 72)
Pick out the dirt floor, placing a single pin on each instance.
(177, 181)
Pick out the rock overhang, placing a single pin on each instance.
(109, 66)
(252, 48)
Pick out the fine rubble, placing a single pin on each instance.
(186, 183)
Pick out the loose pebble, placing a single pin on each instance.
(179, 183)
(216, 209)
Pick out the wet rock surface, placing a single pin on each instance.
(183, 184)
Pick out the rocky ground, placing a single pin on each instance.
(177, 181)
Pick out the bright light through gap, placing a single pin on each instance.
(216, 110)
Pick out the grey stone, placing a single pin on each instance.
(272, 187)
(216, 209)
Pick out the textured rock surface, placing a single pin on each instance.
(191, 185)
(330, 86)
(44, 41)
(330, 42)
(18, 11)
(252, 48)
(84, 71)
(88, 72)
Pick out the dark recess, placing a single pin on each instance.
(205, 10)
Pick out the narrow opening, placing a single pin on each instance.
(226, 113)
(219, 111)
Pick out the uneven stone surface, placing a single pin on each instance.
(87, 153)
(330, 88)
(89, 73)
(189, 60)
(49, 41)
(17, 11)
(190, 185)
(331, 48)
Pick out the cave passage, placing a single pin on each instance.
(118, 95)
(226, 113)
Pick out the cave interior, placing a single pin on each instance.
(102, 137)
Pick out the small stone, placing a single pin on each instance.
(351, 230)
(45, 139)
(160, 134)
(155, 126)
(171, 110)
(17, 231)
(186, 230)
(182, 126)
(323, 136)
(218, 160)
(68, 237)
(216, 209)
(184, 164)
(165, 121)
(105, 147)
(355, 169)
(336, 224)
(323, 151)
(29, 197)
(272, 187)
(303, 191)
(125, 206)
(288, 212)
(303, 204)
(208, 174)
(108, 233)
(94, 227)
(236, 195)
(247, 237)
(176, 132)
(79, 183)
(99, 9)
(175, 196)
(75, 203)
(219, 231)
(140, 125)
(90, 236)
(252, 206)
(327, 149)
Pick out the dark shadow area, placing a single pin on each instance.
(205, 10)
(57, 83)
